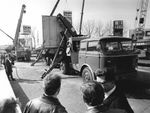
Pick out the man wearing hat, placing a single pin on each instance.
(114, 96)
(48, 102)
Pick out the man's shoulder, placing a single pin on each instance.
(45, 101)
(115, 111)
(42, 103)
(105, 110)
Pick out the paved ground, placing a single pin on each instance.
(29, 85)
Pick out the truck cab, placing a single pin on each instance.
(110, 54)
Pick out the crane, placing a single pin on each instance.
(15, 40)
(140, 19)
(140, 35)
(20, 51)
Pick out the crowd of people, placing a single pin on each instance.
(100, 96)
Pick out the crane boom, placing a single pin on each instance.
(141, 14)
(140, 35)
(19, 25)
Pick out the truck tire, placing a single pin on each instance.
(87, 75)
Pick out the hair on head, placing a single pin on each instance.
(52, 83)
(93, 93)
(8, 105)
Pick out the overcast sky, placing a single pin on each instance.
(98, 10)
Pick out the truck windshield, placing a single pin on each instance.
(127, 45)
(114, 46)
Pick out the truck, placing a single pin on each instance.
(115, 55)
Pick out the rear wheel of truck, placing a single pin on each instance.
(87, 75)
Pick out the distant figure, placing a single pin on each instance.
(48, 102)
(12, 58)
(93, 96)
(8, 67)
(8, 105)
(3, 59)
(114, 96)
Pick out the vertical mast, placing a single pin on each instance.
(19, 25)
(81, 17)
(18, 29)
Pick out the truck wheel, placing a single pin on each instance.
(87, 75)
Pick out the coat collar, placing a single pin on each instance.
(95, 109)
(109, 92)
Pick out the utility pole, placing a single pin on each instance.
(81, 17)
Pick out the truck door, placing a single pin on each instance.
(82, 53)
(92, 55)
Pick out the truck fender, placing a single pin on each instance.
(86, 65)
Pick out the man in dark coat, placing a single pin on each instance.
(8, 67)
(114, 96)
(93, 96)
(48, 102)
(117, 99)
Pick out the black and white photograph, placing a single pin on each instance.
(75, 56)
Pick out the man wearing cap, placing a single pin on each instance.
(114, 96)
(48, 102)
(93, 96)
(8, 67)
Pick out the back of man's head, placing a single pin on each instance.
(51, 84)
(8, 105)
(93, 93)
